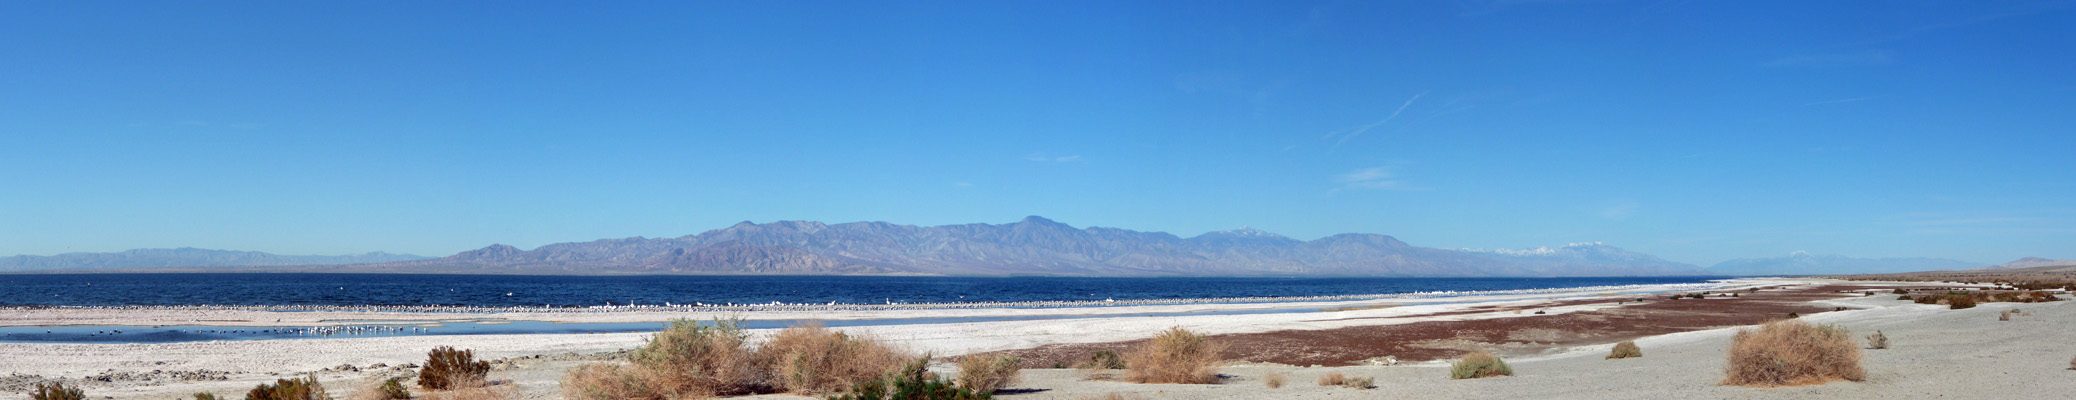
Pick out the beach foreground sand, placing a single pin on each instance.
(1937, 352)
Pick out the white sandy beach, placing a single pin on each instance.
(1938, 351)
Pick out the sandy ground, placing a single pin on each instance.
(1960, 353)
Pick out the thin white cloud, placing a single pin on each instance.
(1621, 210)
(1370, 178)
(1394, 115)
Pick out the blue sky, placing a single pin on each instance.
(1696, 131)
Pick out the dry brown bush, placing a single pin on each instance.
(811, 359)
(446, 367)
(608, 382)
(987, 373)
(380, 388)
(1117, 396)
(1877, 341)
(1175, 356)
(476, 390)
(1273, 380)
(1099, 365)
(1332, 379)
(684, 360)
(1625, 349)
(1791, 353)
(1360, 383)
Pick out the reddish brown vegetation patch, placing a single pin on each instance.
(1449, 339)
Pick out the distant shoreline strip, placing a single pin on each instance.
(833, 306)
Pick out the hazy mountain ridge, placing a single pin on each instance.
(1033, 246)
(1803, 263)
(2030, 262)
(189, 257)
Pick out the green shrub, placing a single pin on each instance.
(912, 382)
(393, 389)
(289, 389)
(205, 396)
(1625, 349)
(1479, 365)
(56, 391)
(447, 368)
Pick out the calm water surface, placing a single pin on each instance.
(561, 291)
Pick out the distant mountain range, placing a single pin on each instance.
(2031, 262)
(1033, 246)
(1802, 263)
(187, 257)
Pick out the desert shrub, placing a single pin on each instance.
(1696, 296)
(686, 359)
(205, 396)
(1625, 349)
(305, 388)
(2072, 363)
(911, 382)
(1479, 365)
(1099, 365)
(381, 389)
(2003, 315)
(1899, 291)
(1903, 297)
(1877, 341)
(1792, 315)
(476, 390)
(394, 389)
(1332, 379)
(1105, 359)
(445, 367)
(1175, 356)
(610, 382)
(1360, 383)
(1116, 396)
(813, 359)
(57, 391)
(1790, 352)
(985, 374)
(1273, 380)
(1960, 302)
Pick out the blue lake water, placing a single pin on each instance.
(565, 291)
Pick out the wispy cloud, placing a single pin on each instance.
(1841, 101)
(1394, 115)
(1370, 178)
(1620, 210)
(1864, 58)
(1041, 157)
